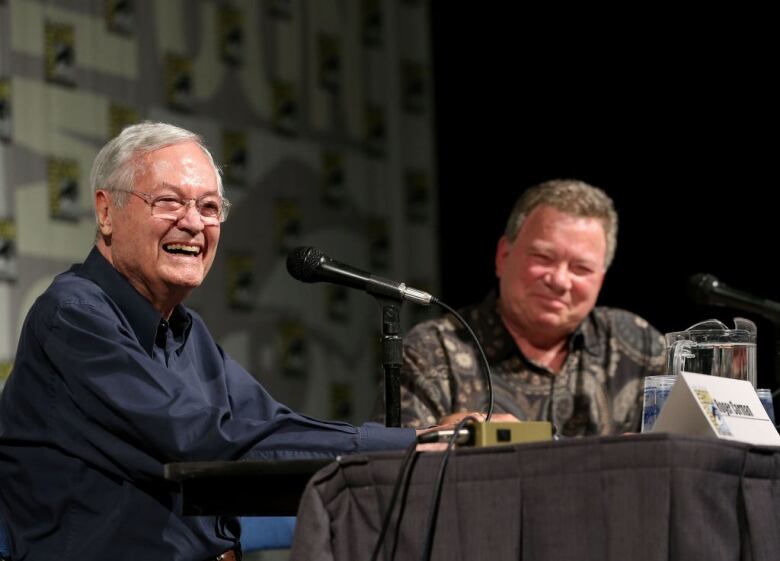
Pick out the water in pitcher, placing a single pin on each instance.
(709, 347)
(737, 360)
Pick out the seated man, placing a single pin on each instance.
(114, 377)
(553, 354)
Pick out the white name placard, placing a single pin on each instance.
(702, 405)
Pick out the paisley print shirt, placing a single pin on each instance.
(598, 390)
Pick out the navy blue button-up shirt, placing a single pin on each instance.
(104, 392)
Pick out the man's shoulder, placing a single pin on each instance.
(445, 324)
(620, 318)
(69, 286)
(69, 289)
(627, 327)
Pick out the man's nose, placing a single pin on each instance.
(191, 220)
(560, 277)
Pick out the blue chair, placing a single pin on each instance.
(5, 542)
(259, 533)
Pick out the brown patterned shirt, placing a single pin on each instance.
(598, 390)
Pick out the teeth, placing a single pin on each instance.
(182, 248)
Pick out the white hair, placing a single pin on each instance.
(117, 163)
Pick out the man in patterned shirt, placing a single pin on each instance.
(553, 354)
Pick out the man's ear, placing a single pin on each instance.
(502, 250)
(103, 212)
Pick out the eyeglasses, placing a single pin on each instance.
(212, 209)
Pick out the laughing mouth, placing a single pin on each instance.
(182, 249)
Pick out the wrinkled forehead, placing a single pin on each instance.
(185, 165)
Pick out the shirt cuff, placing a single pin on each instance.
(373, 437)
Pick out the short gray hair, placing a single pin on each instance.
(116, 164)
(569, 196)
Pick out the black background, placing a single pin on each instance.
(678, 122)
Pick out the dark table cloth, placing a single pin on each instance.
(631, 498)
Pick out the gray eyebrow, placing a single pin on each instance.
(178, 190)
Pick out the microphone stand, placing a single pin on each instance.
(773, 315)
(777, 358)
(392, 358)
(775, 319)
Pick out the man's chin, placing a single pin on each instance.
(184, 282)
(190, 283)
(554, 321)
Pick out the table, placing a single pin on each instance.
(243, 488)
(630, 498)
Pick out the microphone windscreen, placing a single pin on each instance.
(700, 287)
(303, 262)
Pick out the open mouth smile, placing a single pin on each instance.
(182, 249)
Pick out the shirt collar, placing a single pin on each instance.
(144, 319)
(589, 336)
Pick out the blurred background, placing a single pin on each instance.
(321, 113)
(672, 114)
(394, 135)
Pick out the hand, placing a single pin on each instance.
(455, 418)
(433, 446)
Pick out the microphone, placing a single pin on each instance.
(308, 264)
(707, 289)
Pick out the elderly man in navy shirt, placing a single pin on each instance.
(114, 378)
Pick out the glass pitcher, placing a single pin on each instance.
(709, 347)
